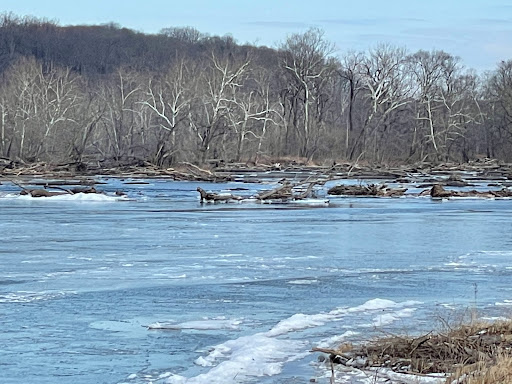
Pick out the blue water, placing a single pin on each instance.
(81, 280)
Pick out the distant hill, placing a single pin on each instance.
(101, 49)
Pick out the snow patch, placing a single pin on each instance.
(79, 197)
(200, 325)
(302, 282)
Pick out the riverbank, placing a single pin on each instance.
(301, 181)
(486, 169)
(480, 352)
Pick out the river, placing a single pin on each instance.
(155, 287)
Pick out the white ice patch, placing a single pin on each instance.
(380, 304)
(482, 260)
(29, 297)
(390, 318)
(299, 322)
(265, 353)
(394, 377)
(244, 358)
(336, 340)
(200, 325)
(311, 202)
(495, 318)
(90, 197)
(453, 264)
(380, 376)
(303, 282)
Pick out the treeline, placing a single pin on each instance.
(104, 93)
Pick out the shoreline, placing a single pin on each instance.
(486, 169)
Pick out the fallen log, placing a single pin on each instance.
(308, 192)
(74, 190)
(41, 193)
(84, 190)
(216, 197)
(44, 192)
(282, 192)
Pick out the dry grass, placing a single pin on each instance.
(498, 372)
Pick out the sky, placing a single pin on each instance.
(478, 31)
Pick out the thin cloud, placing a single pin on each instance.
(278, 24)
(494, 21)
(501, 7)
(374, 21)
(440, 34)
(351, 22)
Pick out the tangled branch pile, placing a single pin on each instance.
(470, 354)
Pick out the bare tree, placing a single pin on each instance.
(59, 96)
(220, 81)
(307, 60)
(169, 98)
(349, 73)
(120, 125)
(186, 34)
(250, 114)
(428, 69)
(499, 111)
(446, 102)
(20, 109)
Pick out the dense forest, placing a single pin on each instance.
(77, 94)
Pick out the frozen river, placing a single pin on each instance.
(157, 288)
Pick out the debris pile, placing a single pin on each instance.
(463, 354)
(379, 190)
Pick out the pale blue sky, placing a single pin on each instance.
(479, 31)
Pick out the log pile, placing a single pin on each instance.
(467, 350)
(378, 190)
(182, 171)
(288, 191)
(284, 193)
(438, 191)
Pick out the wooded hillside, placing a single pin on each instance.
(78, 94)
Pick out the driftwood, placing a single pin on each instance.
(91, 189)
(73, 191)
(216, 197)
(41, 193)
(438, 191)
(380, 190)
(308, 192)
(183, 171)
(282, 192)
(44, 192)
(37, 192)
(455, 180)
(285, 191)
